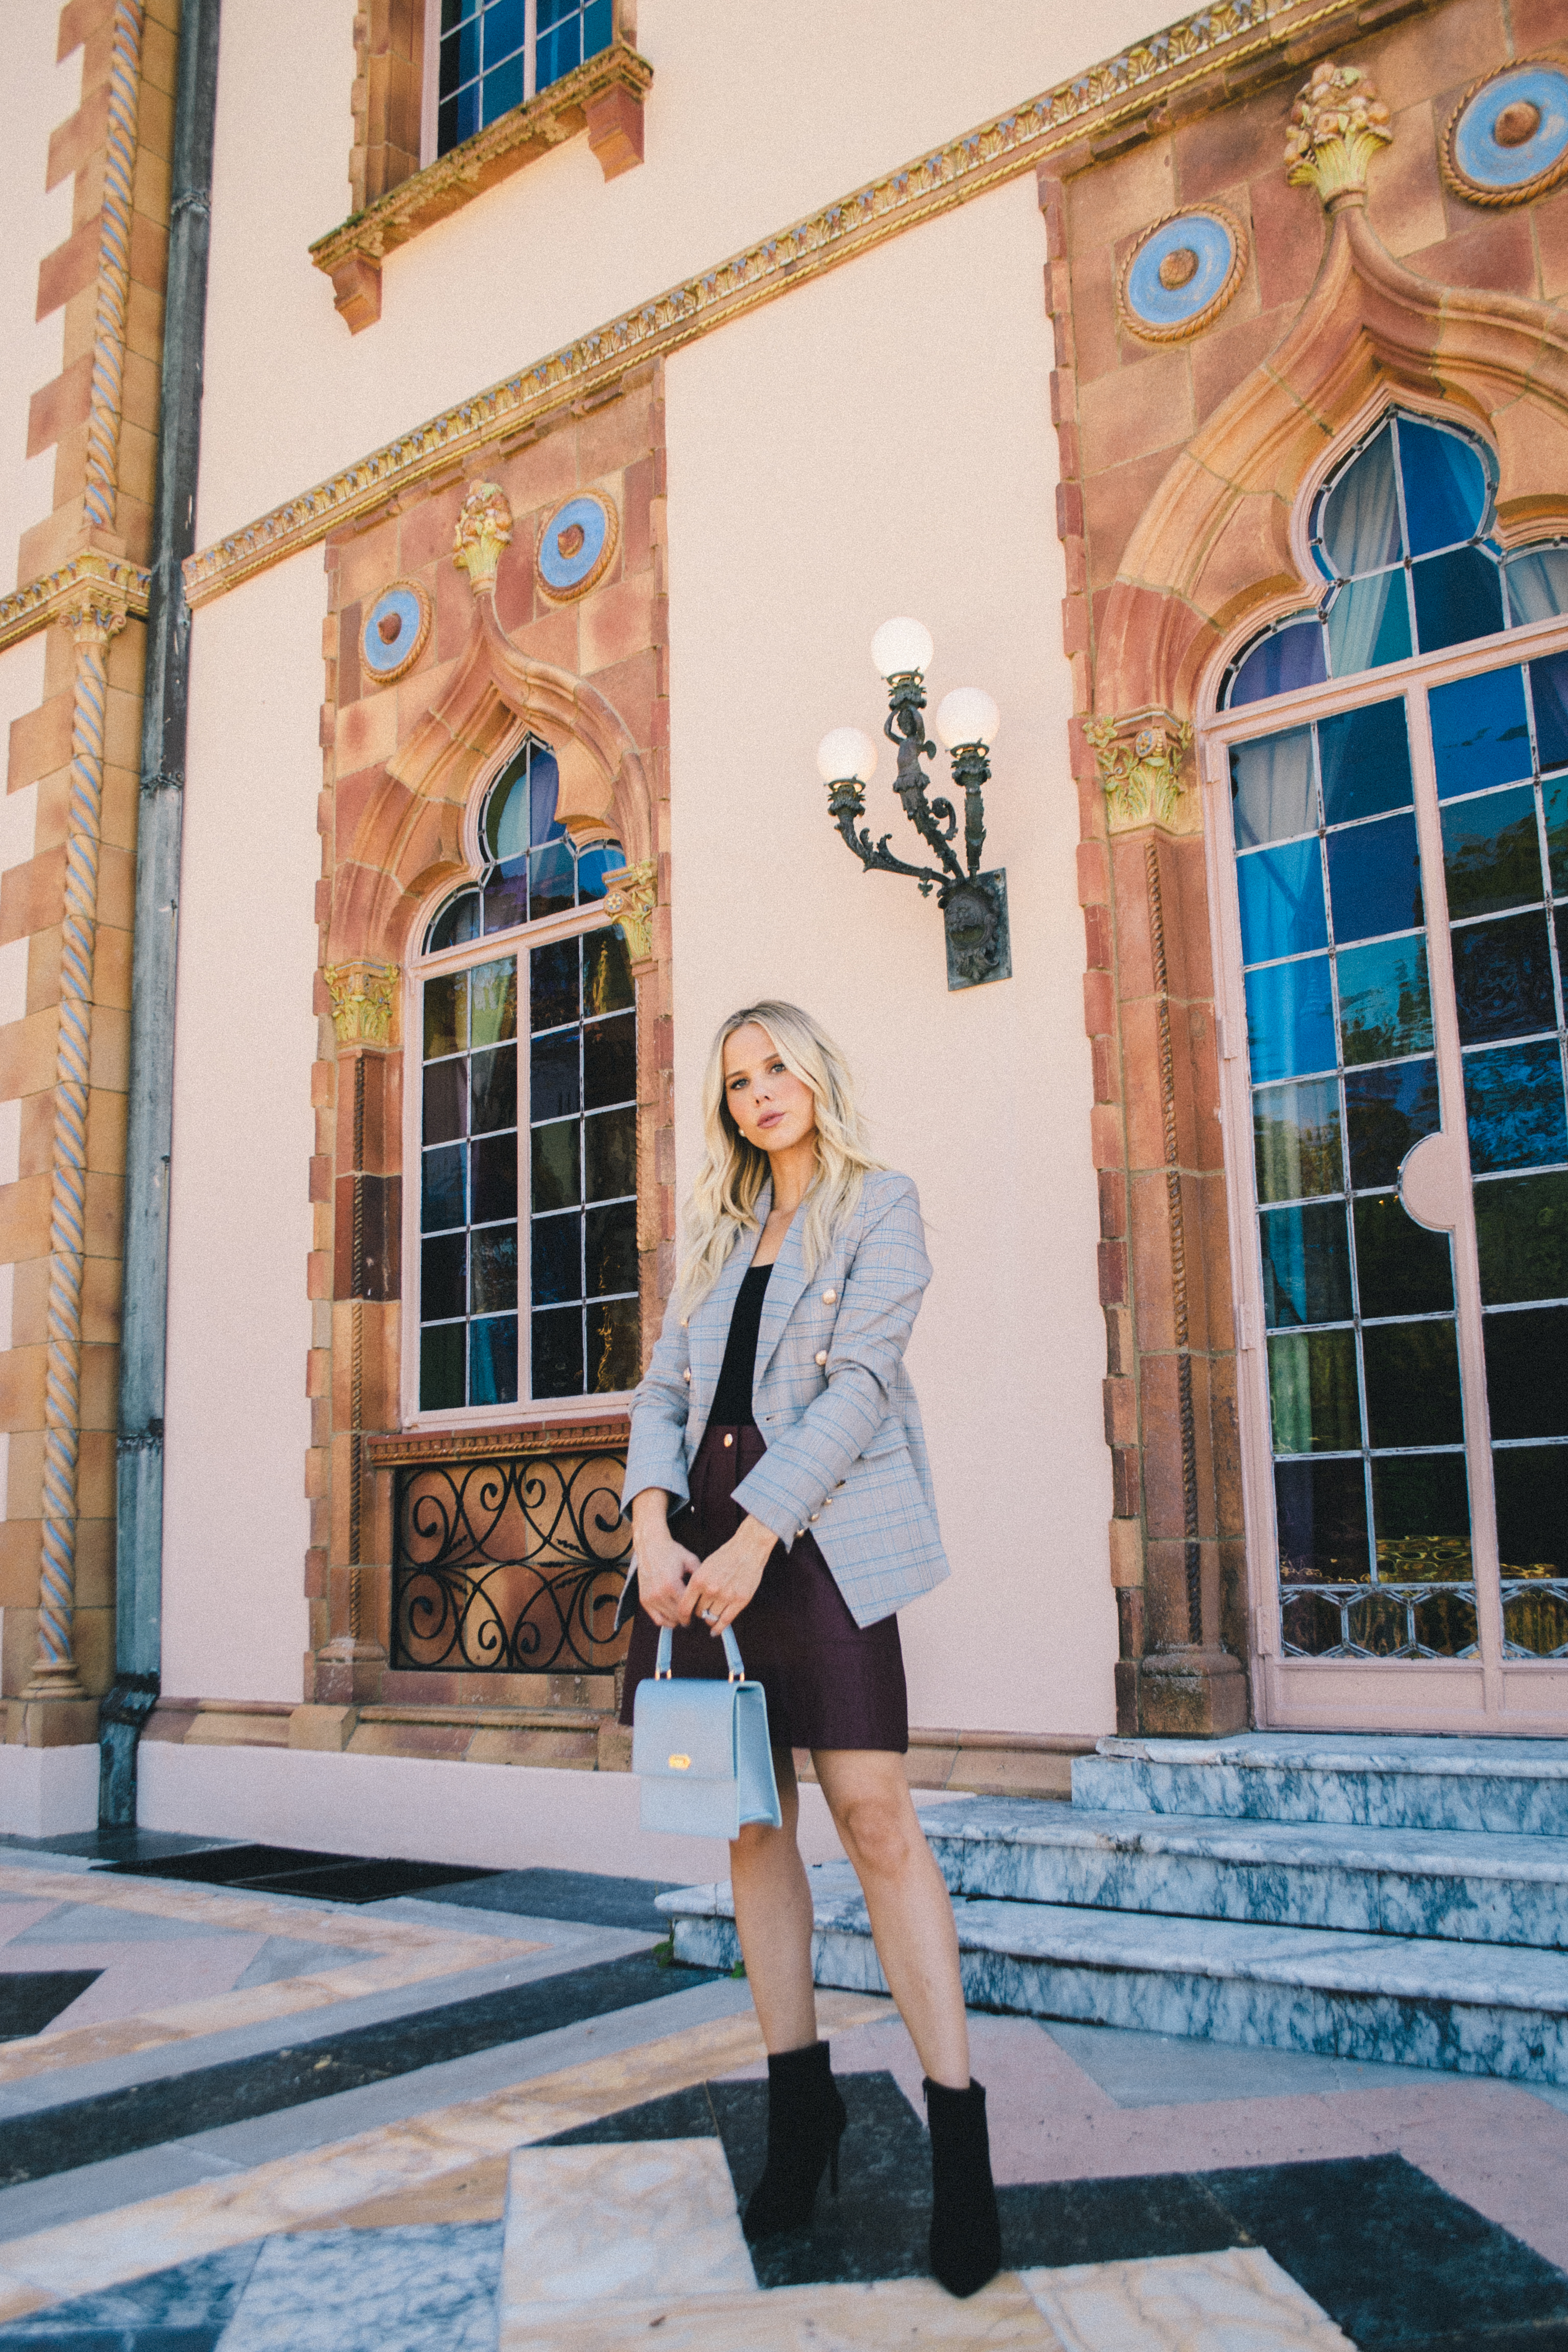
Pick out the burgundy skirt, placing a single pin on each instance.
(830, 1681)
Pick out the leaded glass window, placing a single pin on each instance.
(528, 1257)
(494, 54)
(1402, 901)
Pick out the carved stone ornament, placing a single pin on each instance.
(1181, 274)
(1337, 126)
(629, 900)
(362, 996)
(484, 528)
(1507, 140)
(1140, 761)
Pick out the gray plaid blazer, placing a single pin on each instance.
(847, 1454)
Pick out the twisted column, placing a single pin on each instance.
(113, 271)
(55, 1675)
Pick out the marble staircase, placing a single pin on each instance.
(1394, 1899)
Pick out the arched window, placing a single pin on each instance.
(1400, 841)
(527, 1118)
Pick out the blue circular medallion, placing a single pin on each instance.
(1508, 140)
(1181, 274)
(575, 546)
(395, 631)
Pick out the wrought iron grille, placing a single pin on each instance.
(510, 1565)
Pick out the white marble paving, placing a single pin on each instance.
(1516, 1787)
(622, 2222)
(400, 2290)
(1238, 2300)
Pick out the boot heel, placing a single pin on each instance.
(805, 2122)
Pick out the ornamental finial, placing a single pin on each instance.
(1337, 126)
(484, 528)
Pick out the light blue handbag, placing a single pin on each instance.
(701, 1749)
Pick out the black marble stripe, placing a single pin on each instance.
(119, 2123)
(283, 1870)
(31, 1999)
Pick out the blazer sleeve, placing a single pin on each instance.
(882, 1289)
(656, 1456)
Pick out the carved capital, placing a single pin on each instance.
(1337, 126)
(630, 900)
(95, 615)
(1140, 760)
(362, 995)
(484, 528)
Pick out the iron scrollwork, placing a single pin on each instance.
(510, 1566)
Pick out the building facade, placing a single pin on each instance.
(1204, 393)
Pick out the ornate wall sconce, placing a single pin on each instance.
(973, 905)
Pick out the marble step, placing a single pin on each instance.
(1458, 1886)
(1505, 1787)
(1405, 2001)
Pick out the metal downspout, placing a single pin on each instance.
(138, 1503)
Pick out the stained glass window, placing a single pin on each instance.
(528, 1255)
(494, 54)
(1400, 533)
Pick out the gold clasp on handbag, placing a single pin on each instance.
(680, 1763)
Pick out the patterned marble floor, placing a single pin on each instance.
(484, 2114)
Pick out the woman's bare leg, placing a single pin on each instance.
(906, 1897)
(773, 1915)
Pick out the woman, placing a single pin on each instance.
(777, 1482)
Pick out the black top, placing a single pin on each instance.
(732, 1405)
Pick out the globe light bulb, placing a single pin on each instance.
(901, 648)
(967, 716)
(847, 755)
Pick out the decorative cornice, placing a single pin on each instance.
(401, 1448)
(1139, 760)
(1337, 126)
(1210, 45)
(559, 113)
(362, 995)
(483, 528)
(89, 578)
(630, 897)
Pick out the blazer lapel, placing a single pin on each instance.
(785, 1285)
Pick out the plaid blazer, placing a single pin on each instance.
(847, 1454)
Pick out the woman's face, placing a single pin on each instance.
(769, 1104)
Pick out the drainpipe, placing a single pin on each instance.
(138, 1504)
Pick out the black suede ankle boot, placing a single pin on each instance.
(966, 2234)
(805, 2123)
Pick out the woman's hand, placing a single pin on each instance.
(663, 1565)
(718, 1587)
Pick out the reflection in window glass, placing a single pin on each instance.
(485, 68)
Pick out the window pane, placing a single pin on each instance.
(495, 1089)
(502, 90)
(1369, 624)
(611, 1249)
(557, 1259)
(1549, 693)
(441, 1354)
(557, 1175)
(611, 1141)
(1479, 732)
(1385, 1010)
(495, 1271)
(553, 976)
(1296, 1134)
(493, 1002)
(1312, 1624)
(1312, 1389)
(610, 1062)
(1290, 1019)
(1413, 1385)
(558, 1353)
(1402, 1268)
(506, 812)
(1321, 1512)
(506, 897)
(446, 1015)
(1271, 788)
(1374, 879)
(1280, 663)
(1359, 521)
(614, 1346)
(1492, 852)
(1306, 1266)
(1366, 761)
(1445, 1624)
(554, 873)
(1527, 1372)
(503, 30)
(544, 791)
(608, 984)
(555, 1091)
(1421, 1509)
(1503, 978)
(1281, 895)
(442, 1200)
(492, 1360)
(444, 1278)
(446, 1101)
(1445, 487)
(1457, 596)
(493, 1175)
(457, 922)
(1522, 1231)
(1537, 585)
(1388, 1112)
(1555, 796)
(1514, 1096)
(595, 867)
(1532, 1483)
(1378, 1625)
(1535, 1618)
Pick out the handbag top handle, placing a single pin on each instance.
(662, 1662)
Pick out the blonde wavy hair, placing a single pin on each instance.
(722, 1203)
